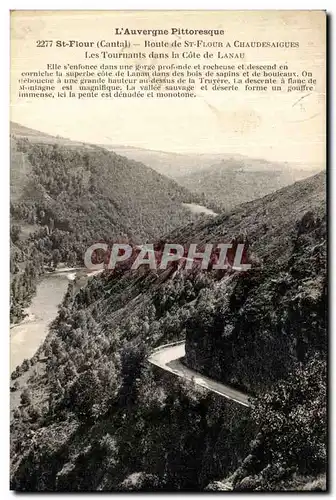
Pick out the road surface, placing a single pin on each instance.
(169, 358)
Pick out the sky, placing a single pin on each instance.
(272, 125)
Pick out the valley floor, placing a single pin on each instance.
(169, 357)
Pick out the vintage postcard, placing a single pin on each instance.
(168, 251)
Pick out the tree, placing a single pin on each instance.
(26, 397)
(15, 232)
(85, 393)
(56, 257)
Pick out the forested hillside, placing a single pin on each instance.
(66, 197)
(98, 193)
(96, 416)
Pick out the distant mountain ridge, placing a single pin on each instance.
(221, 181)
(181, 164)
(235, 181)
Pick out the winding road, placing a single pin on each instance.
(168, 357)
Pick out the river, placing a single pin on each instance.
(26, 336)
(199, 209)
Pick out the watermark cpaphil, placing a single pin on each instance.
(161, 255)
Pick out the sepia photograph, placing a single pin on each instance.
(168, 251)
